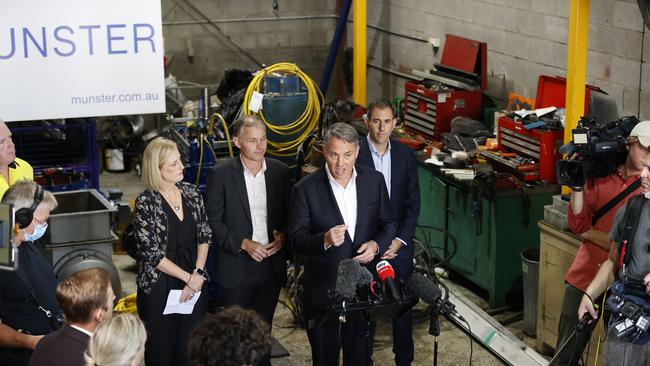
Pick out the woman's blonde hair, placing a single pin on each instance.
(155, 155)
(116, 341)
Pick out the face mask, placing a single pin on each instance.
(39, 231)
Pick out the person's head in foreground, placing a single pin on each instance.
(231, 337)
(118, 341)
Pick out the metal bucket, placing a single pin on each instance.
(530, 272)
(81, 216)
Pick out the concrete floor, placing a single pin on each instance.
(453, 344)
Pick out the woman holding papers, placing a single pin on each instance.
(173, 238)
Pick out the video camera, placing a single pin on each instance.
(595, 150)
(8, 252)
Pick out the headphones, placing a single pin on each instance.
(24, 216)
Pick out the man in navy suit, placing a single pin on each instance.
(86, 298)
(338, 212)
(396, 162)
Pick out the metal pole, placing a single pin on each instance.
(359, 59)
(576, 69)
(334, 47)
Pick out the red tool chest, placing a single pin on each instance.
(540, 144)
(429, 109)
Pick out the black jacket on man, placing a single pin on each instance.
(405, 203)
(313, 212)
(229, 217)
(65, 347)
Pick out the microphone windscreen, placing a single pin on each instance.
(384, 270)
(424, 288)
(346, 280)
(365, 277)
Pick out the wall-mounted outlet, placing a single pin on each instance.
(435, 42)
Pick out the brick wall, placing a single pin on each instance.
(304, 42)
(526, 38)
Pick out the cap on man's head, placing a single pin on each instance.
(642, 132)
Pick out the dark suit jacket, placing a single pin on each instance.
(404, 190)
(65, 347)
(229, 217)
(314, 211)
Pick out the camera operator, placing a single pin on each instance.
(585, 202)
(629, 301)
(28, 305)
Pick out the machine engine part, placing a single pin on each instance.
(86, 258)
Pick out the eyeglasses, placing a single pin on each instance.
(38, 221)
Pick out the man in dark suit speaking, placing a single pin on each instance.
(247, 210)
(338, 212)
(397, 164)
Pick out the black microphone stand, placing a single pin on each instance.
(368, 339)
(434, 330)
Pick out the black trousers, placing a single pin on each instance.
(403, 326)
(326, 343)
(403, 339)
(259, 290)
(167, 335)
(571, 353)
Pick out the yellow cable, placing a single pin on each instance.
(305, 124)
(225, 129)
(207, 142)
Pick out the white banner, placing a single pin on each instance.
(79, 58)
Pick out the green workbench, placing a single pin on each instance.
(488, 244)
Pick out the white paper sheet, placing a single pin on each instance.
(256, 102)
(174, 306)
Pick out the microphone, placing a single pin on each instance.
(430, 293)
(346, 280)
(387, 276)
(364, 282)
(365, 277)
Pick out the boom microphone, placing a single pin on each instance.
(387, 276)
(424, 289)
(430, 293)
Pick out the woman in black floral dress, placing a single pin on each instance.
(173, 238)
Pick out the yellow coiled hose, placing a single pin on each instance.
(305, 124)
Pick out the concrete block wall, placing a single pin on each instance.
(304, 42)
(526, 39)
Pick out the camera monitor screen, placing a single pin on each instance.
(8, 253)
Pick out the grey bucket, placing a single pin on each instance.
(530, 272)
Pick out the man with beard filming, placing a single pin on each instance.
(590, 216)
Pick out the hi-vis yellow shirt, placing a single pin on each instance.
(22, 171)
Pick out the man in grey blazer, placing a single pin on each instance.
(247, 210)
